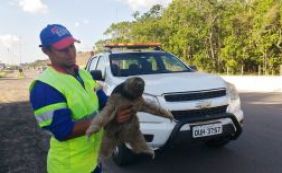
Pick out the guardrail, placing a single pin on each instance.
(256, 83)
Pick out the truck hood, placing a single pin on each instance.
(178, 82)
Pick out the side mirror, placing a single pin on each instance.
(97, 75)
(193, 67)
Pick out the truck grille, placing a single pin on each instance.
(199, 114)
(176, 97)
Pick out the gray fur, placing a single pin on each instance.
(128, 93)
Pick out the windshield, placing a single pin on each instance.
(126, 64)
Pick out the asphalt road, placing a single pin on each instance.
(258, 150)
(23, 146)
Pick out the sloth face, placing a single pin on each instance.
(134, 87)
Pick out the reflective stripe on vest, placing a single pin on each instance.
(78, 154)
(45, 114)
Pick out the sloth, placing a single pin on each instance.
(125, 94)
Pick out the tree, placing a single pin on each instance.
(212, 34)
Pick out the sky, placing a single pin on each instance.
(87, 20)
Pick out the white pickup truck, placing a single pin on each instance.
(206, 107)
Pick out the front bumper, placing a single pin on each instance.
(166, 134)
(231, 129)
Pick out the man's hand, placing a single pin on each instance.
(124, 113)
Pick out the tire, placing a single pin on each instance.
(122, 156)
(217, 143)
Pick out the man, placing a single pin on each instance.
(64, 99)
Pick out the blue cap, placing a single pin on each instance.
(57, 36)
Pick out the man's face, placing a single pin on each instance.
(65, 57)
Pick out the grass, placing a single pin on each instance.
(2, 74)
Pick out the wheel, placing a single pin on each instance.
(218, 142)
(122, 155)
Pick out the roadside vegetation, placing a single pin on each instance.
(2, 74)
(226, 36)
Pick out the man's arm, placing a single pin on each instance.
(80, 127)
(58, 121)
(62, 126)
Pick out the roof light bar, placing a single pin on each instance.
(133, 45)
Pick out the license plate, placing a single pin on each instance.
(206, 130)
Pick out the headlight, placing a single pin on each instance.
(151, 99)
(231, 91)
(234, 106)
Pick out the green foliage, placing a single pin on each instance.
(216, 36)
(2, 74)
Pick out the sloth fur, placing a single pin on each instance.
(127, 93)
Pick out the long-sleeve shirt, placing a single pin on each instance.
(62, 124)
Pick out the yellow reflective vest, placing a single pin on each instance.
(77, 155)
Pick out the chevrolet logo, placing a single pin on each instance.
(203, 104)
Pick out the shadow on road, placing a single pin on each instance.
(23, 145)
